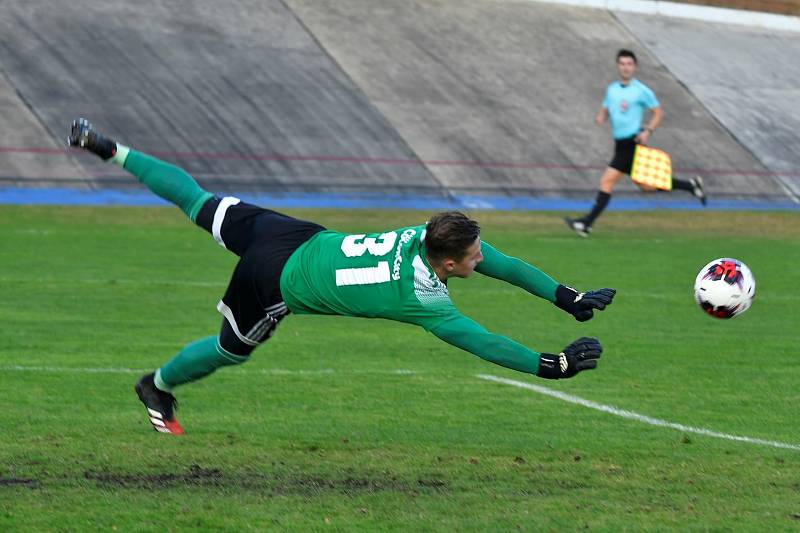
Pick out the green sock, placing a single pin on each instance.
(196, 360)
(167, 181)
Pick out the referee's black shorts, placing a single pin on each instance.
(623, 155)
(263, 240)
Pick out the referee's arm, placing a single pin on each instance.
(657, 114)
(601, 116)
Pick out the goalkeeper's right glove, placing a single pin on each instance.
(581, 305)
(582, 354)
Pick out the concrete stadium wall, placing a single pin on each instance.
(434, 97)
(749, 80)
(243, 97)
(517, 84)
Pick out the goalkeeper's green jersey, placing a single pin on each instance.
(373, 275)
(386, 275)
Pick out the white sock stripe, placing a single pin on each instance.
(162, 430)
(221, 350)
(157, 422)
(121, 155)
(230, 356)
(154, 413)
(219, 218)
(159, 382)
(228, 314)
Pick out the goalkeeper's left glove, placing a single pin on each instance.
(581, 354)
(581, 305)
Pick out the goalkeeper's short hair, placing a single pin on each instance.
(449, 234)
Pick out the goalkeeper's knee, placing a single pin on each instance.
(230, 343)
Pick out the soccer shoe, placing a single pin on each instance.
(160, 406)
(82, 135)
(578, 226)
(698, 190)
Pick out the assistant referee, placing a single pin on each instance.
(626, 102)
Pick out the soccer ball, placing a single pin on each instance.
(725, 288)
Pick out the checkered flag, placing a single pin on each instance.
(652, 167)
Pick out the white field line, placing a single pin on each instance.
(267, 371)
(115, 281)
(70, 369)
(630, 415)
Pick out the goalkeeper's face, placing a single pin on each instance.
(466, 266)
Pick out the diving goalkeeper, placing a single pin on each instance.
(290, 265)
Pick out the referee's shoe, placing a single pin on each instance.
(160, 406)
(579, 226)
(699, 190)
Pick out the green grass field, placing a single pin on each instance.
(350, 424)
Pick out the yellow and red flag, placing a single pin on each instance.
(652, 167)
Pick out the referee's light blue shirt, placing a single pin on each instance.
(626, 105)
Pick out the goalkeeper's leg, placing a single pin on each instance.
(194, 361)
(167, 181)
(252, 308)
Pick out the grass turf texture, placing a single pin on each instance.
(343, 441)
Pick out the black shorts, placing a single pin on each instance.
(264, 240)
(623, 155)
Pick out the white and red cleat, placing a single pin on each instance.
(160, 406)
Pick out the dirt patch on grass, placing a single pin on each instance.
(194, 475)
(272, 484)
(17, 482)
(351, 485)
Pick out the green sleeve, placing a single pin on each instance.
(468, 335)
(496, 264)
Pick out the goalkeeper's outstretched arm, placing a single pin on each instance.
(517, 272)
(468, 335)
(581, 305)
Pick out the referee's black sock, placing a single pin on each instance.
(684, 185)
(600, 204)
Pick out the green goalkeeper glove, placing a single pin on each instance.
(582, 354)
